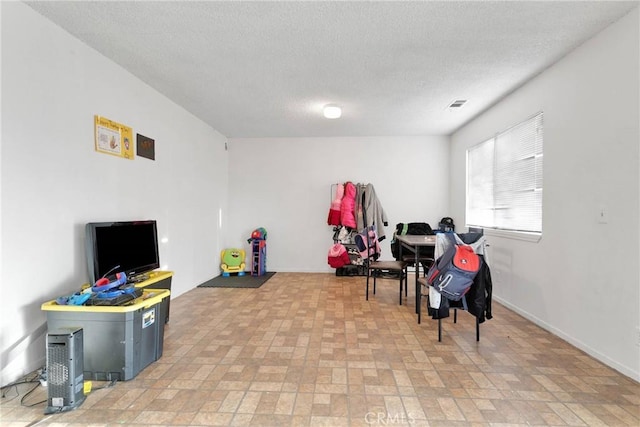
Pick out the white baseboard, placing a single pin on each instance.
(625, 370)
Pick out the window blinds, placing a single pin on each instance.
(504, 179)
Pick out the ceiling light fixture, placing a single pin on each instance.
(332, 111)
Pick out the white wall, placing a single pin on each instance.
(581, 281)
(53, 181)
(284, 185)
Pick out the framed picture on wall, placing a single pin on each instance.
(113, 138)
(145, 147)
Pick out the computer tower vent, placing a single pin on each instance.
(65, 370)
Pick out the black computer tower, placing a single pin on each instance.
(65, 369)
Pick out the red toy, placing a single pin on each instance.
(258, 234)
(258, 251)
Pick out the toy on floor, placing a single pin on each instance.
(232, 261)
(258, 242)
(259, 233)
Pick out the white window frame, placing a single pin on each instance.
(504, 182)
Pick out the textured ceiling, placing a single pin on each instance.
(264, 69)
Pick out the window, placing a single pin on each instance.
(504, 179)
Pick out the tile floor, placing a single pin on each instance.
(309, 350)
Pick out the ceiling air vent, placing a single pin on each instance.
(458, 103)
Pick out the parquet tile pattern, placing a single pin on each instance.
(309, 350)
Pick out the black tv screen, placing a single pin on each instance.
(124, 246)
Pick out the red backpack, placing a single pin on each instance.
(453, 273)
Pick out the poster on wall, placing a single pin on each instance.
(145, 147)
(113, 138)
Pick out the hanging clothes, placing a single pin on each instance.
(479, 295)
(360, 214)
(348, 206)
(373, 214)
(335, 209)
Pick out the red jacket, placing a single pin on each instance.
(338, 256)
(334, 211)
(348, 206)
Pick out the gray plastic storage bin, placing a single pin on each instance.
(119, 341)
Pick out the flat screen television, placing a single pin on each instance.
(123, 246)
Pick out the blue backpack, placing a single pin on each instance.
(452, 274)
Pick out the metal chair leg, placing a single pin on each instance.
(367, 285)
(406, 282)
(374, 281)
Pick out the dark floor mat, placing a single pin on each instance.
(235, 281)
